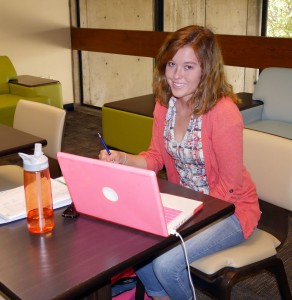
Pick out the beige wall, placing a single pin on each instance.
(110, 77)
(35, 34)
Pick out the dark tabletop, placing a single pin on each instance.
(32, 81)
(144, 105)
(13, 140)
(81, 255)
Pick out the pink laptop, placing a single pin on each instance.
(122, 194)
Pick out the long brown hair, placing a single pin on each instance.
(213, 84)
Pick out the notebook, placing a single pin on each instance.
(12, 202)
(122, 194)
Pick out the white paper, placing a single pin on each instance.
(12, 202)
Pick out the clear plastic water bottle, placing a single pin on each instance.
(38, 191)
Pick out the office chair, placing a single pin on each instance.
(39, 119)
(269, 161)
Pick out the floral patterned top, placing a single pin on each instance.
(222, 142)
(188, 155)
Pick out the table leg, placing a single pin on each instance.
(103, 293)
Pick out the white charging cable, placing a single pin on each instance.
(174, 232)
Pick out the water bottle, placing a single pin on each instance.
(38, 191)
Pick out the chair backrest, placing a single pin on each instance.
(268, 158)
(274, 88)
(42, 120)
(7, 72)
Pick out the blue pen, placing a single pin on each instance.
(104, 144)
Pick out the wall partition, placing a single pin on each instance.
(111, 77)
(102, 77)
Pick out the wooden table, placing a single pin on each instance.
(247, 101)
(127, 124)
(32, 81)
(81, 255)
(13, 140)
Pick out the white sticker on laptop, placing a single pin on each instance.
(110, 194)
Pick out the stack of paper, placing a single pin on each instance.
(12, 202)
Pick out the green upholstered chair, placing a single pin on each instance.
(126, 131)
(11, 92)
(127, 124)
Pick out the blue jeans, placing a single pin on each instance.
(168, 275)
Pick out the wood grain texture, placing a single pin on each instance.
(81, 255)
(242, 51)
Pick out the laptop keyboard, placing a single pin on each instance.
(170, 213)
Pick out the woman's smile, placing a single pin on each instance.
(178, 85)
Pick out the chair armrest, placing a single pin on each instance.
(51, 91)
(253, 114)
(21, 90)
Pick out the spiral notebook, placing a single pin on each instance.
(122, 194)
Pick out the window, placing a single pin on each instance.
(279, 18)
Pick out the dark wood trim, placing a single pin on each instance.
(256, 51)
(127, 42)
(242, 51)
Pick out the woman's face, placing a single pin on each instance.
(183, 73)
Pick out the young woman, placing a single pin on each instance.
(198, 137)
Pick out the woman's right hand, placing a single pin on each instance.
(116, 157)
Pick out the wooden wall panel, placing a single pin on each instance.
(112, 77)
(244, 49)
(119, 14)
(227, 16)
(109, 77)
(181, 13)
(233, 17)
(127, 42)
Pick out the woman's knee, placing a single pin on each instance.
(168, 264)
(161, 268)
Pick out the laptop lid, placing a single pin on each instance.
(121, 194)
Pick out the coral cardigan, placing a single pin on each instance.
(222, 140)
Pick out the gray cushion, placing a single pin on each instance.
(283, 129)
(268, 158)
(259, 246)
